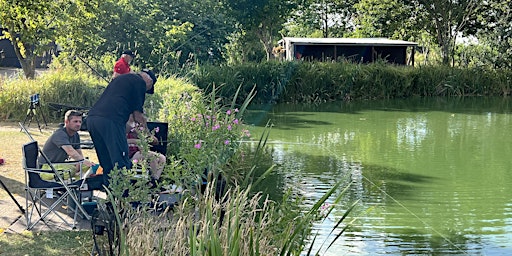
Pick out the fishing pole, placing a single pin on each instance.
(401, 205)
(89, 66)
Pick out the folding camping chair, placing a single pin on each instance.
(40, 193)
(44, 197)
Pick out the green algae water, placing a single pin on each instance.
(433, 176)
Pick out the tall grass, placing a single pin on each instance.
(273, 82)
(321, 81)
(54, 86)
(240, 222)
(228, 215)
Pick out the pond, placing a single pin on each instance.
(432, 176)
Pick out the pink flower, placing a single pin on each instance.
(236, 110)
(228, 112)
(229, 128)
(235, 121)
(198, 146)
(157, 129)
(135, 161)
(192, 119)
(226, 142)
(215, 127)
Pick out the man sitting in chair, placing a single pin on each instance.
(64, 143)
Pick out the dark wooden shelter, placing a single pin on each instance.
(361, 50)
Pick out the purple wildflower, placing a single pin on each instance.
(226, 142)
(198, 146)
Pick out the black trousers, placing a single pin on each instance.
(110, 142)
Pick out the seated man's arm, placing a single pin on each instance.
(76, 154)
(140, 118)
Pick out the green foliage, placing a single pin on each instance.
(243, 47)
(321, 81)
(318, 18)
(63, 86)
(383, 19)
(495, 37)
(166, 35)
(272, 81)
(444, 20)
(270, 78)
(31, 27)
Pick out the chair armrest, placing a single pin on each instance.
(39, 171)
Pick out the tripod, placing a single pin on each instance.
(31, 112)
(12, 197)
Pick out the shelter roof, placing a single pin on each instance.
(348, 41)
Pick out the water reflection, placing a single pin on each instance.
(432, 175)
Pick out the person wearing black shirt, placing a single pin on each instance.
(106, 120)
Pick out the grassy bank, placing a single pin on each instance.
(274, 82)
(315, 82)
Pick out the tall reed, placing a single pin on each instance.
(323, 81)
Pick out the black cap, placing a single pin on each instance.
(128, 52)
(153, 77)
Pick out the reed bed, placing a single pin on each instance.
(315, 82)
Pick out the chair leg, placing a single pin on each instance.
(38, 203)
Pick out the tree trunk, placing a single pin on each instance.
(265, 38)
(28, 61)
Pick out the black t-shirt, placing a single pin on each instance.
(123, 95)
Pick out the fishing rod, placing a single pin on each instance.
(401, 205)
(95, 71)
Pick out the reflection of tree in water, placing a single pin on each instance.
(380, 187)
(397, 184)
(310, 176)
(412, 241)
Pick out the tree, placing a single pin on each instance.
(262, 18)
(496, 33)
(166, 34)
(330, 18)
(386, 18)
(31, 25)
(445, 20)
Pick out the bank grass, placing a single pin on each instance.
(240, 221)
(62, 243)
(63, 86)
(316, 82)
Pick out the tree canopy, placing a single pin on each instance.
(167, 35)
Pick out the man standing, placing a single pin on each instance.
(122, 65)
(106, 120)
(64, 143)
